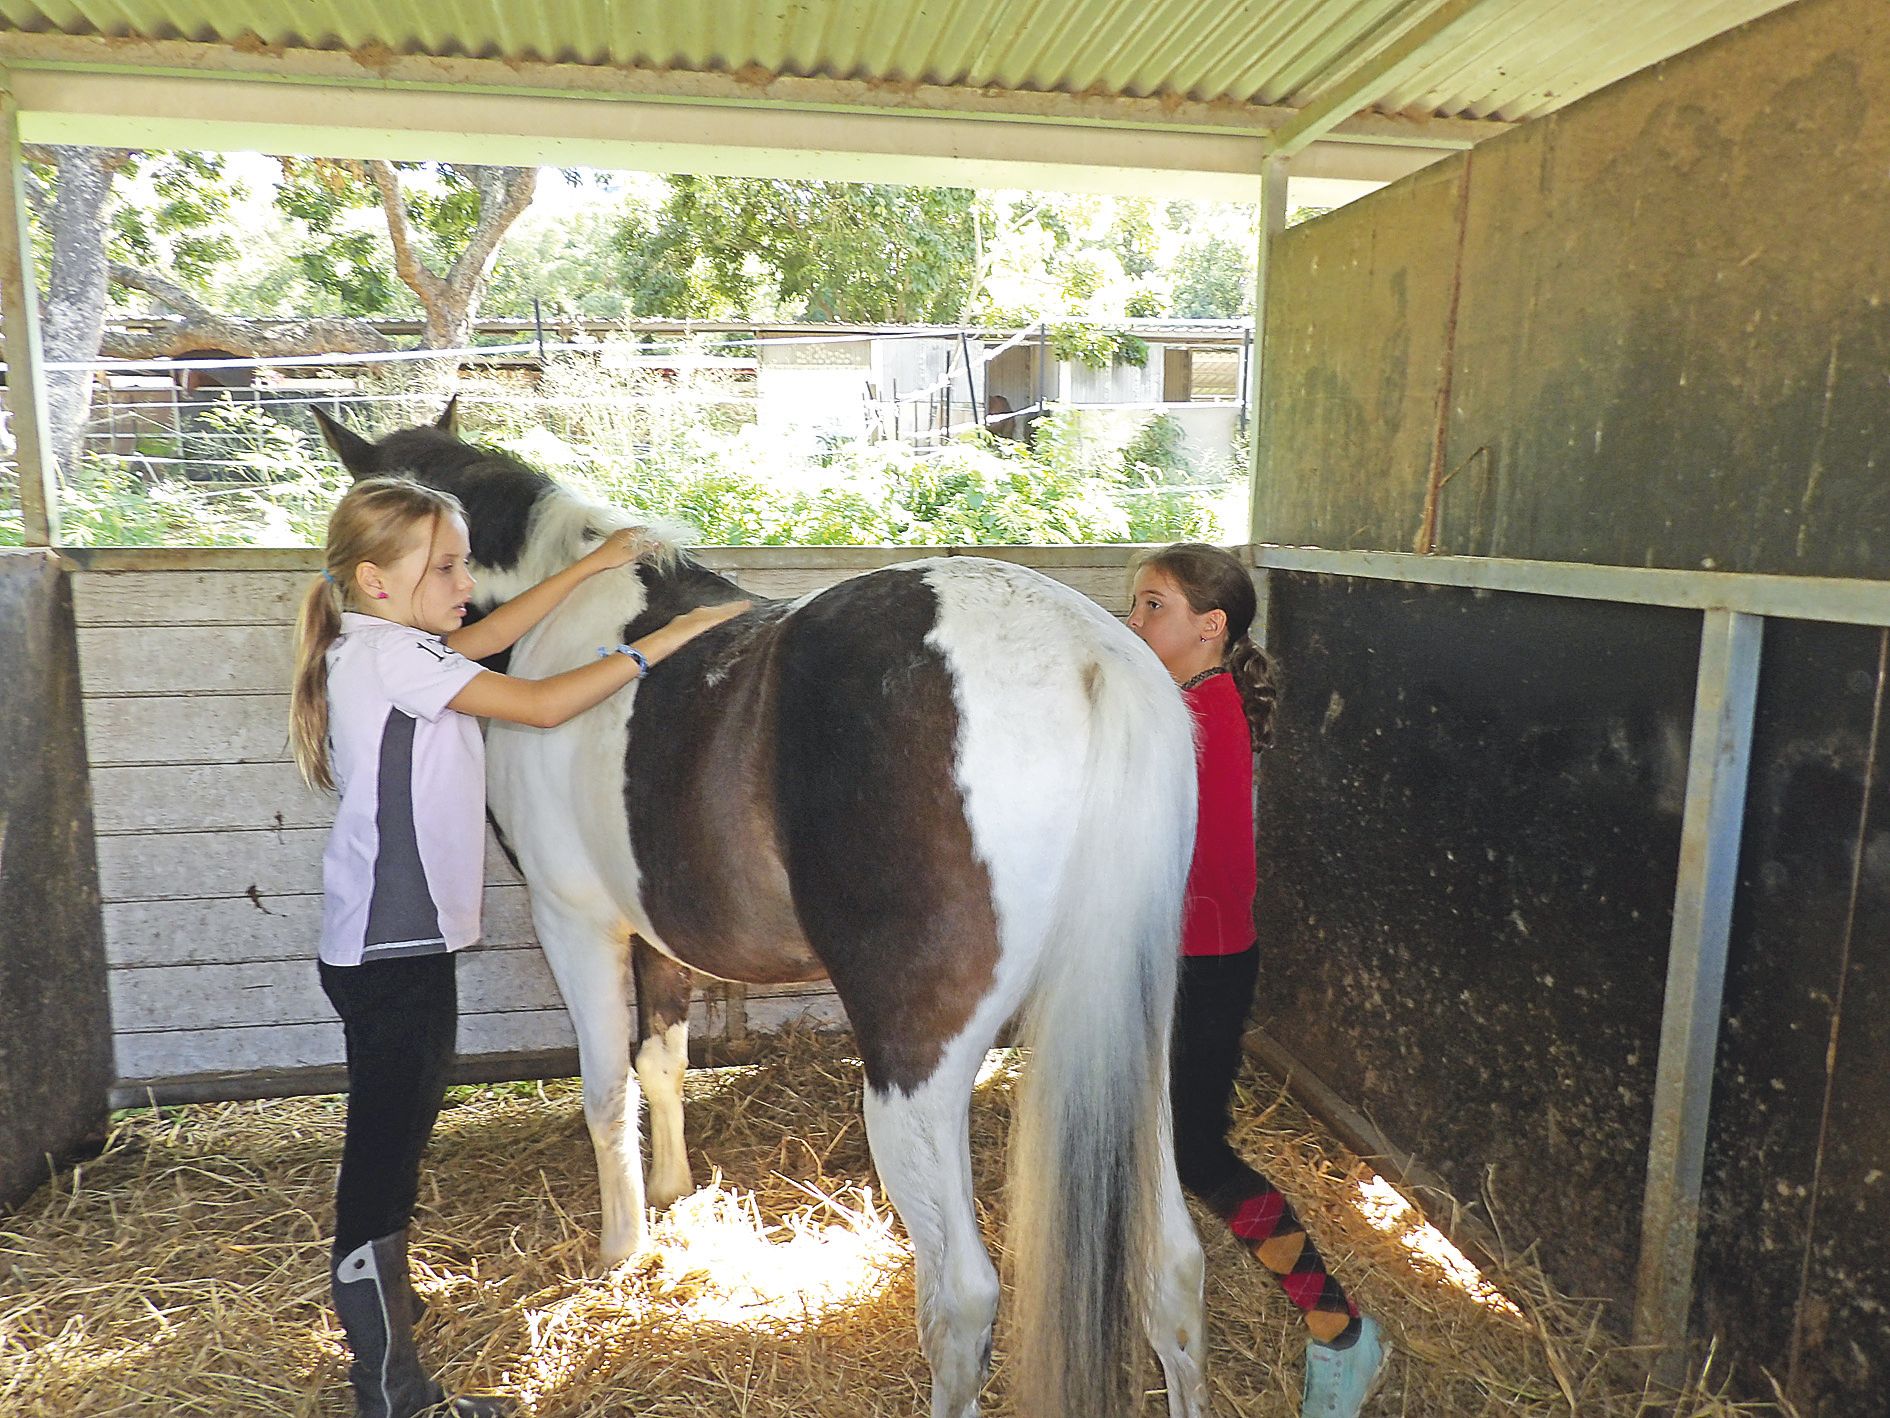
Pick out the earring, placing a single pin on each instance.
(380, 595)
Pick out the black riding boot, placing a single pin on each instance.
(377, 1306)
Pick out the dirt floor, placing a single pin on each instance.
(184, 1270)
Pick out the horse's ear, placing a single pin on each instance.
(448, 422)
(355, 452)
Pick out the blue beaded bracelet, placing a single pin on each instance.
(604, 652)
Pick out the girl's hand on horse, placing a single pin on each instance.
(620, 548)
(690, 624)
(549, 702)
(686, 627)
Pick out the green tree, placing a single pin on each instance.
(569, 265)
(828, 251)
(441, 236)
(1213, 280)
(1132, 236)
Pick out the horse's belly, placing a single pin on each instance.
(720, 904)
(550, 793)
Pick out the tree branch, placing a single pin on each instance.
(161, 288)
(199, 328)
(407, 263)
(504, 194)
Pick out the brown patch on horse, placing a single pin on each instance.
(886, 877)
(664, 989)
(699, 790)
(791, 783)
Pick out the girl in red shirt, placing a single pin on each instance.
(1194, 605)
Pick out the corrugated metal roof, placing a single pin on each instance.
(1505, 59)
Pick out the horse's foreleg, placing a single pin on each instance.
(663, 992)
(922, 1149)
(590, 962)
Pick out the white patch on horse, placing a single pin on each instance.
(1019, 646)
(661, 1061)
(1076, 765)
(568, 822)
(919, 1147)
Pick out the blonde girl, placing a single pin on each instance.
(384, 711)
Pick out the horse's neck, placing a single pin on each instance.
(591, 617)
(594, 613)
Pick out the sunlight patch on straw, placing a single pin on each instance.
(1386, 1209)
(721, 1263)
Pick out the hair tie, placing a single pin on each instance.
(329, 577)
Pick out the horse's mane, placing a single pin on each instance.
(569, 521)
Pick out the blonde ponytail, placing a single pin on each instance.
(375, 521)
(316, 628)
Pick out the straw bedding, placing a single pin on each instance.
(184, 1270)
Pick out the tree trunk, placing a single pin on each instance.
(452, 301)
(72, 320)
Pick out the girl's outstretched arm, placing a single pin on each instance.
(546, 703)
(503, 625)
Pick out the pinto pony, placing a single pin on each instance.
(955, 788)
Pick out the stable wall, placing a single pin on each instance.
(1649, 330)
(1671, 322)
(55, 1036)
(209, 845)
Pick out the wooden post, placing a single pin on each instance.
(19, 329)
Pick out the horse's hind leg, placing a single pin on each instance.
(663, 992)
(922, 1148)
(1176, 1317)
(590, 963)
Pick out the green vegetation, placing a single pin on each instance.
(218, 252)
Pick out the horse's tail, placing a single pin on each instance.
(1092, 1137)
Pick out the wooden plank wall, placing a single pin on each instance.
(209, 847)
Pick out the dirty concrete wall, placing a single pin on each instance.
(55, 1031)
(1468, 836)
(1651, 330)
(1794, 1264)
(1671, 320)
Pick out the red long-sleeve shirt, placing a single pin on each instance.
(1218, 917)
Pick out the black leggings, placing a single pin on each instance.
(400, 1018)
(1212, 1000)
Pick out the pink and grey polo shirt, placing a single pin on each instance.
(404, 869)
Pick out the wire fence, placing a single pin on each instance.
(810, 420)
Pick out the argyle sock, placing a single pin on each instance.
(1263, 1220)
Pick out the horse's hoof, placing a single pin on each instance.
(663, 1195)
(613, 1256)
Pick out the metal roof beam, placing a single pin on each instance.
(98, 107)
(1366, 81)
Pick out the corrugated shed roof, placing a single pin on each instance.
(1503, 59)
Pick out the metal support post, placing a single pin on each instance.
(1272, 223)
(1696, 975)
(19, 329)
